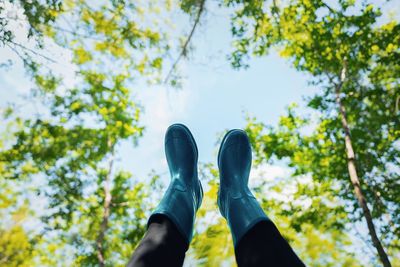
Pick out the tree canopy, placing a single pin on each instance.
(351, 53)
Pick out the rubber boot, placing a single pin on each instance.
(235, 201)
(184, 194)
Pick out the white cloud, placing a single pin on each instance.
(163, 107)
(267, 173)
(272, 174)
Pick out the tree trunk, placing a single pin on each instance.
(106, 215)
(351, 165)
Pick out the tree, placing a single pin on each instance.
(96, 212)
(352, 55)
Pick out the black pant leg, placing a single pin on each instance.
(162, 245)
(263, 245)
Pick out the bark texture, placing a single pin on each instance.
(351, 165)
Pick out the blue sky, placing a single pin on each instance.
(214, 97)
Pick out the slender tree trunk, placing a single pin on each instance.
(106, 215)
(351, 165)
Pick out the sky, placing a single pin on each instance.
(214, 97)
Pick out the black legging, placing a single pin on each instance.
(263, 245)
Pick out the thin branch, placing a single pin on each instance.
(328, 7)
(32, 51)
(17, 53)
(187, 42)
(75, 33)
(275, 14)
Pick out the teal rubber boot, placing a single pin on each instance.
(235, 200)
(184, 194)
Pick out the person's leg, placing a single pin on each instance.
(170, 227)
(263, 245)
(256, 240)
(162, 245)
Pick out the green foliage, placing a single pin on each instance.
(350, 51)
(38, 14)
(96, 212)
(15, 248)
(315, 36)
(317, 152)
(212, 245)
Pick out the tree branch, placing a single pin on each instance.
(187, 42)
(75, 33)
(31, 51)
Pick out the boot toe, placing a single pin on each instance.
(178, 131)
(182, 133)
(233, 137)
(236, 137)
